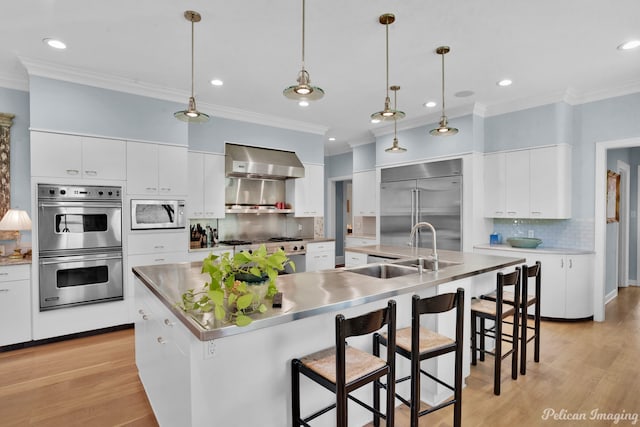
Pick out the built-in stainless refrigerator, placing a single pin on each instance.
(430, 192)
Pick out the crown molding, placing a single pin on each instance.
(363, 140)
(14, 82)
(110, 82)
(337, 149)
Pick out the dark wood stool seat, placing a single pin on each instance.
(528, 272)
(418, 343)
(343, 369)
(497, 311)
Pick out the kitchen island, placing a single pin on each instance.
(198, 372)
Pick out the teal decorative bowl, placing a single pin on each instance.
(524, 242)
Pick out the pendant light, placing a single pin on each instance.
(443, 129)
(388, 113)
(303, 91)
(191, 114)
(395, 147)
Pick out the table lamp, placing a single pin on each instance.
(16, 220)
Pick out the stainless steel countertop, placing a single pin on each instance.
(313, 293)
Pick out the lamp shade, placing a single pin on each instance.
(15, 219)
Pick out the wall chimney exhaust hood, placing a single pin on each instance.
(243, 161)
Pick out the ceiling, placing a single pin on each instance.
(552, 50)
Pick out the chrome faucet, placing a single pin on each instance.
(433, 232)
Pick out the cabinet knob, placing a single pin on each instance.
(168, 322)
(73, 171)
(141, 311)
(161, 340)
(93, 173)
(145, 317)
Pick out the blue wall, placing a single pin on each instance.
(72, 108)
(422, 146)
(17, 102)
(340, 165)
(364, 157)
(211, 136)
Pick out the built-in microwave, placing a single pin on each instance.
(154, 214)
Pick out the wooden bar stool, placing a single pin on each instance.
(343, 369)
(527, 300)
(417, 343)
(497, 311)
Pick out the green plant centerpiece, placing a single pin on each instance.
(239, 285)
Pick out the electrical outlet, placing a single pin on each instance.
(209, 349)
(530, 233)
(299, 227)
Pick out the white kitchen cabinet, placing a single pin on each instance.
(533, 183)
(73, 156)
(307, 193)
(320, 256)
(156, 169)
(364, 193)
(550, 182)
(163, 358)
(353, 241)
(154, 248)
(15, 304)
(206, 186)
(567, 287)
(354, 259)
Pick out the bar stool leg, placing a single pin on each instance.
(497, 357)
(482, 341)
(536, 341)
(415, 390)
(376, 384)
(474, 340)
(523, 340)
(295, 389)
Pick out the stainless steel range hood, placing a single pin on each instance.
(243, 161)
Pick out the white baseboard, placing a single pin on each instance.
(610, 296)
(634, 283)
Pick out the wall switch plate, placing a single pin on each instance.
(530, 234)
(299, 227)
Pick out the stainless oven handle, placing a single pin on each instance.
(77, 258)
(84, 204)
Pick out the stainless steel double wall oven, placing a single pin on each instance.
(79, 245)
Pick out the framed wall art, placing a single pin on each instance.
(613, 196)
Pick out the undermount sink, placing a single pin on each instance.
(426, 263)
(383, 271)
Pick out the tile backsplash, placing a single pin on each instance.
(555, 233)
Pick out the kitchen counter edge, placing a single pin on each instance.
(313, 293)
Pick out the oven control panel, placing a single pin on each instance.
(78, 192)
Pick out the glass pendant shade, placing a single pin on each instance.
(387, 113)
(395, 147)
(443, 129)
(191, 114)
(304, 90)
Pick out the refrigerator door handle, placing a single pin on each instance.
(413, 207)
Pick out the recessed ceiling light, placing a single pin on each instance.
(505, 82)
(430, 104)
(463, 93)
(217, 82)
(303, 103)
(631, 44)
(56, 44)
(332, 138)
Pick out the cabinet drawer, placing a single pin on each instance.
(358, 241)
(354, 259)
(320, 247)
(14, 272)
(157, 242)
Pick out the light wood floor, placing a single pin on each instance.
(585, 366)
